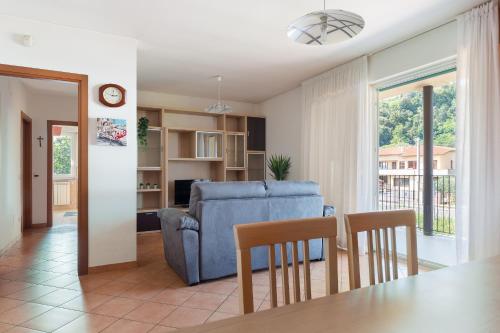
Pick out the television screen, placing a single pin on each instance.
(182, 190)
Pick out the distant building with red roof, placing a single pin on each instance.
(405, 158)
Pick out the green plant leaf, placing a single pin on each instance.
(279, 165)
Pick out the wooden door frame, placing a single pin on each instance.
(82, 81)
(50, 166)
(27, 169)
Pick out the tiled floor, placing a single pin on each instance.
(41, 292)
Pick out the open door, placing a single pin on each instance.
(26, 165)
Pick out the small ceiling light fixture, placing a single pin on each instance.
(327, 26)
(219, 107)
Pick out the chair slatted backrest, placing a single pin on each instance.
(374, 223)
(248, 236)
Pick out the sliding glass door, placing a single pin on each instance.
(417, 151)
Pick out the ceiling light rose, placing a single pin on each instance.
(219, 107)
(327, 26)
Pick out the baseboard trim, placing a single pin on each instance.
(112, 267)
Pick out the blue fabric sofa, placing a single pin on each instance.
(199, 245)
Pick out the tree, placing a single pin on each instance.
(401, 118)
(62, 155)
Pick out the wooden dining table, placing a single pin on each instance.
(463, 298)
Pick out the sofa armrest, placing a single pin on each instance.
(181, 244)
(179, 219)
(328, 210)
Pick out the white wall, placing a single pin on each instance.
(112, 170)
(424, 49)
(190, 103)
(43, 107)
(283, 127)
(12, 102)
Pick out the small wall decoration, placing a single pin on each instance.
(111, 132)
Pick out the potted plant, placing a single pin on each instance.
(142, 131)
(279, 166)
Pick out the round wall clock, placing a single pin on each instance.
(112, 95)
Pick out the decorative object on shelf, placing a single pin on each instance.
(112, 95)
(156, 187)
(326, 26)
(142, 131)
(148, 186)
(279, 166)
(111, 132)
(141, 186)
(219, 107)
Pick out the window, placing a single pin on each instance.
(384, 165)
(401, 132)
(63, 156)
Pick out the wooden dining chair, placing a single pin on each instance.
(374, 222)
(248, 236)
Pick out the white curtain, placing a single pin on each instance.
(340, 139)
(478, 134)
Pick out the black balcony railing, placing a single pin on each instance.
(406, 191)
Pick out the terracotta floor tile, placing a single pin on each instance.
(162, 329)
(61, 281)
(128, 326)
(5, 327)
(45, 265)
(87, 323)
(19, 329)
(150, 312)
(184, 317)
(220, 316)
(31, 293)
(23, 313)
(57, 297)
(86, 302)
(219, 287)
(8, 303)
(88, 284)
(173, 296)
(143, 292)
(63, 268)
(117, 307)
(9, 287)
(205, 301)
(52, 319)
(114, 288)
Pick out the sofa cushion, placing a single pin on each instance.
(195, 196)
(224, 190)
(291, 188)
(231, 190)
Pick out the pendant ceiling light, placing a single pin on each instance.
(327, 26)
(219, 107)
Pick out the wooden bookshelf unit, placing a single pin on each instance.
(194, 145)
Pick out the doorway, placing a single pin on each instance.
(26, 167)
(62, 172)
(82, 82)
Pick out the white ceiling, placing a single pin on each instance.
(182, 43)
